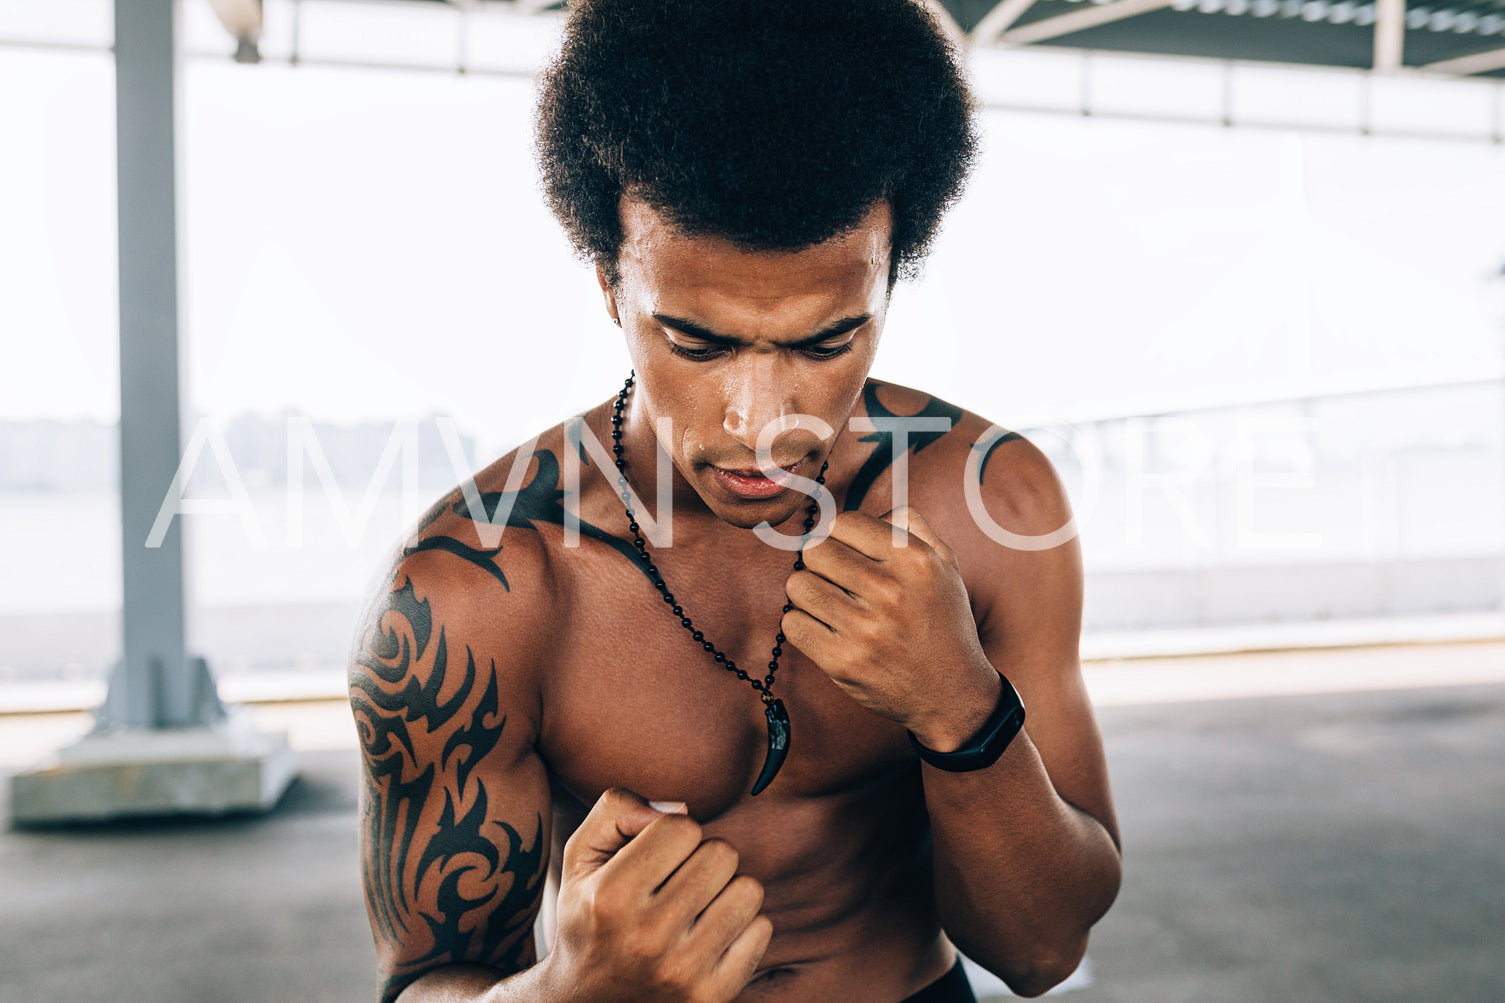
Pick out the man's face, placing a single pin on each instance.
(728, 343)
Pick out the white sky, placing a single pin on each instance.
(369, 244)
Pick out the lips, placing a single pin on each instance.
(746, 483)
(757, 472)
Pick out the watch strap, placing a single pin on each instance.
(991, 739)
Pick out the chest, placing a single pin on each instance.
(631, 699)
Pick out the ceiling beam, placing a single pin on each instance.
(998, 20)
(1389, 35)
(1479, 62)
(1079, 20)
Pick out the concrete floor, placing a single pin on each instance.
(1333, 847)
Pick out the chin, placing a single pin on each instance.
(740, 520)
(749, 515)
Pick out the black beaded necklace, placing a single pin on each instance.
(773, 708)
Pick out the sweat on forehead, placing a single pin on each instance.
(709, 288)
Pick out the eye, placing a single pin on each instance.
(697, 354)
(828, 353)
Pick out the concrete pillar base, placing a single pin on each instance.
(225, 767)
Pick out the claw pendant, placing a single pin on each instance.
(778, 743)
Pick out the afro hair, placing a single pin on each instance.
(776, 124)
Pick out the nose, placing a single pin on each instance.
(758, 396)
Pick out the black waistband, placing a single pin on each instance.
(952, 987)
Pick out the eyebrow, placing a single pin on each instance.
(696, 331)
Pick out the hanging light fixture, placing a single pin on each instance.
(242, 19)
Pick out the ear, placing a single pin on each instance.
(610, 295)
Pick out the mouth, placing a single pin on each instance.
(751, 483)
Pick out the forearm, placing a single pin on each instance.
(468, 983)
(1020, 875)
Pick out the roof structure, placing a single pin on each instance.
(1451, 37)
(1466, 37)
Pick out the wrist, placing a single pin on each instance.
(984, 747)
(956, 728)
(550, 981)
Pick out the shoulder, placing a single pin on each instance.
(992, 495)
(467, 583)
(959, 459)
(506, 520)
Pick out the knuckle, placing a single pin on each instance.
(614, 801)
(639, 944)
(934, 561)
(677, 827)
(759, 935)
(656, 933)
(748, 890)
(858, 626)
(603, 901)
(677, 972)
(572, 849)
(845, 660)
(720, 852)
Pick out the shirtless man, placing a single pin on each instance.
(571, 716)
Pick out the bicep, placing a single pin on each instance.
(454, 806)
(1029, 610)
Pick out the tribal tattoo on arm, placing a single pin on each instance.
(881, 458)
(453, 842)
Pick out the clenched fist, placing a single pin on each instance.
(889, 620)
(653, 912)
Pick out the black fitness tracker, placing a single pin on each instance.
(989, 742)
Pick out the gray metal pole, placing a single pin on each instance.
(162, 742)
(153, 683)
